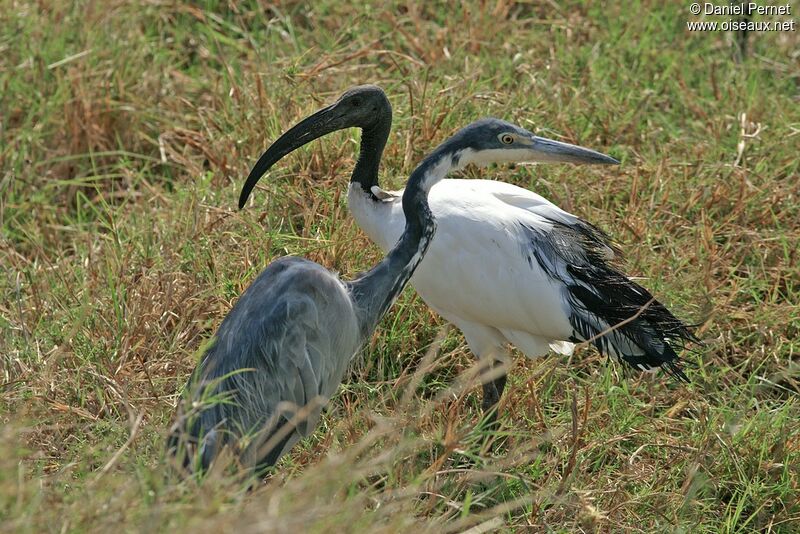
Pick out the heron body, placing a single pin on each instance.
(506, 265)
(270, 357)
(283, 349)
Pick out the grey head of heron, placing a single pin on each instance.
(495, 141)
(363, 106)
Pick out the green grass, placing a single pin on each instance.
(126, 130)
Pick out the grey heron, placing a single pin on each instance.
(506, 265)
(283, 349)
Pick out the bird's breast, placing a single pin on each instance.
(382, 220)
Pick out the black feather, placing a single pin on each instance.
(620, 317)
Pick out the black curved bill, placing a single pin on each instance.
(320, 123)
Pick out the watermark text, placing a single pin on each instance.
(744, 13)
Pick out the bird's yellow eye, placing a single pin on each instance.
(506, 139)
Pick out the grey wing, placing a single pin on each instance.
(283, 405)
(305, 358)
(283, 347)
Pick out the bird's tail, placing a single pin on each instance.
(622, 319)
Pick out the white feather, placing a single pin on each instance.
(474, 273)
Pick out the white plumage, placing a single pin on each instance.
(475, 273)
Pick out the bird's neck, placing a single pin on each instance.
(375, 291)
(427, 174)
(373, 141)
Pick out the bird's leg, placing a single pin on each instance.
(493, 388)
(489, 346)
(492, 391)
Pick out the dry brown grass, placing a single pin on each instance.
(126, 130)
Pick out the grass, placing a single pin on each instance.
(126, 130)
